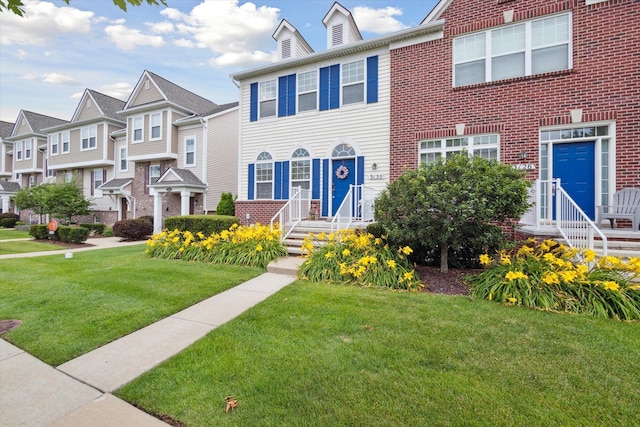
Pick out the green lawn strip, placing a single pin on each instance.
(6, 234)
(25, 246)
(71, 306)
(318, 354)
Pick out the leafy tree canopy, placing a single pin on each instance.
(61, 200)
(435, 204)
(17, 7)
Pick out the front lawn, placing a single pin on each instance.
(318, 354)
(71, 306)
(6, 234)
(25, 246)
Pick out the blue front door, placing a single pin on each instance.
(344, 175)
(574, 164)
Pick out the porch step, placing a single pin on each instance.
(294, 240)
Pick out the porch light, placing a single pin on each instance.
(169, 189)
(523, 155)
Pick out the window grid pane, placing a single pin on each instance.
(353, 72)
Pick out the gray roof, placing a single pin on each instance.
(186, 177)
(109, 105)
(8, 186)
(40, 121)
(222, 108)
(5, 129)
(183, 97)
(116, 183)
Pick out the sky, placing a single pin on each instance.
(49, 57)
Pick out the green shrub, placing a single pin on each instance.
(73, 234)
(550, 276)
(205, 224)
(132, 229)
(41, 232)
(108, 232)
(20, 223)
(96, 227)
(375, 229)
(9, 215)
(8, 222)
(226, 205)
(148, 218)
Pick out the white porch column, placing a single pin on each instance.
(119, 208)
(5, 203)
(184, 202)
(157, 212)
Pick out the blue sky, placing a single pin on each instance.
(49, 57)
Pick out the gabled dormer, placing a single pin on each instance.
(291, 44)
(341, 27)
(96, 105)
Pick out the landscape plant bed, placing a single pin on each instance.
(320, 354)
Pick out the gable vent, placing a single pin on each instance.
(336, 35)
(286, 48)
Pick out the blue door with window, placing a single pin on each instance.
(344, 175)
(574, 164)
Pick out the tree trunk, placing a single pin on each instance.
(444, 261)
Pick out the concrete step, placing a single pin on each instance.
(286, 265)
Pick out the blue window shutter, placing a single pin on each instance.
(326, 190)
(372, 79)
(282, 96)
(334, 86)
(253, 104)
(291, 95)
(360, 167)
(315, 179)
(277, 178)
(252, 175)
(285, 180)
(324, 88)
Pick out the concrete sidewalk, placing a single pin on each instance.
(77, 393)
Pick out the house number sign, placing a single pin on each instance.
(376, 177)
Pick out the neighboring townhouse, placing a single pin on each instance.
(7, 186)
(83, 151)
(29, 141)
(318, 121)
(176, 155)
(552, 87)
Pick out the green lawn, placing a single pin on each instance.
(71, 306)
(6, 234)
(333, 355)
(24, 246)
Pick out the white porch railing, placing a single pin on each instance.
(358, 205)
(570, 220)
(294, 211)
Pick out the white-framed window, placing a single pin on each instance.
(353, 82)
(88, 136)
(154, 173)
(522, 49)
(98, 176)
(49, 172)
(268, 93)
(301, 169)
(18, 150)
(53, 144)
(68, 176)
(66, 136)
(308, 91)
(190, 151)
(138, 128)
(32, 181)
(485, 146)
(28, 148)
(124, 164)
(264, 176)
(155, 126)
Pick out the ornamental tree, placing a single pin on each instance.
(436, 204)
(62, 200)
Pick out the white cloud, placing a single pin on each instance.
(22, 54)
(161, 27)
(59, 79)
(42, 22)
(379, 21)
(77, 95)
(117, 90)
(128, 39)
(238, 35)
(184, 43)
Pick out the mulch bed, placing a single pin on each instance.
(7, 325)
(451, 283)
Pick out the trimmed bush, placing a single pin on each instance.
(41, 232)
(226, 206)
(108, 232)
(9, 215)
(73, 234)
(8, 222)
(375, 229)
(133, 229)
(96, 227)
(205, 224)
(147, 218)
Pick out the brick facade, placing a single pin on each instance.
(604, 82)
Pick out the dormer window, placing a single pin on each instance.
(286, 48)
(336, 35)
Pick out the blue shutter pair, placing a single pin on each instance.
(330, 87)
(287, 95)
(281, 178)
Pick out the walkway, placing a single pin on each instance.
(77, 393)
